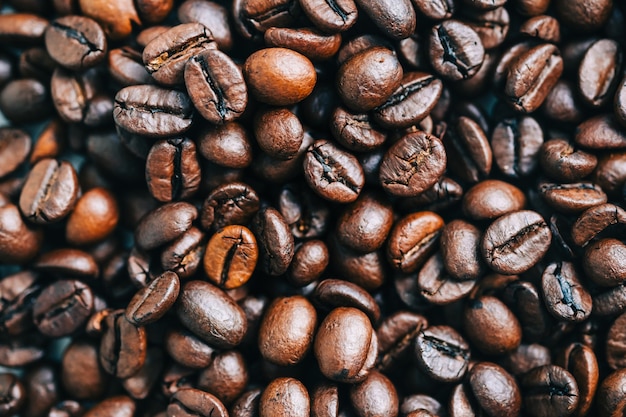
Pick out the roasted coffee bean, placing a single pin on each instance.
(43, 388)
(247, 404)
(284, 396)
(211, 314)
(232, 203)
(172, 170)
(276, 243)
(439, 288)
(379, 69)
(166, 55)
(412, 165)
(212, 15)
(495, 391)
(614, 347)
(117, 19)
(278, 132)
(601, 272)
(231, 256)
(152, 111)
(76, 42)
(376, 395)
(15, 145)
(151, 303)
(216, 86)
(253, 17)
(356, 131)
(332, 173)
(562, 104)
(456, 51)
(123, 346)
(226, 377)
(139, 385)
(435, 10)
(13, 394)
(345, 345)
(62, 307)
(227, 145)
(581, 362)
(333, 293)
(412, 240)
(619, 104)
(445, 193)
(600, 132)
(395, 19)
(19, 241)
(491, 326)
(312, 43)
(572, 198)
(492, 26)
(565, 297)
(309, 262)
(360, 44)
(583, 16)
(68, 263)
(515, 242)
(126, 67)
(188, 350)
(467, 143)
(287, 330)
(279, 76)
(22, 28)
(306, 214)
(95, 216)
(184, 255)
(190, 402)
(74, 93)
(164, 224)
(594, 221)
(395, 338)
(525, 358)
(331, 17)
(610, 173)
(598, 73)
(543, 27)
(516, 143)
(460, 250)
(561, 161)
(81, 373)
(550, 390)
(25, 100)
(365, 224)
(442, 353)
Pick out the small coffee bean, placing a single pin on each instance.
(211, 314)
(164, 224)
(564, 295)
(516, 142)
(515, 242)
(74, 93)
(13, 394)
(233, 203)
(460, 250)
(279, 76)
(191, 402)
(365, 224)
(126, 67)
(598, 73)
(216, 86)
(332, 293)
(581, 362)
(375, 396)
(442, 353)
(610, 173)
(76, 42)
(247, 404)
(284, 396)
(19, 241)
(331, 17)
(437, 9)
(226, 377)
(254, 17)
(491, 326)
(495, 391)
(395, 338)
(123, 346)
(491, 26)
(551, 390)
(572, 198)
(66, 263)
(439, 288)
(456, 51)
(525, 358)
(117, 19)
(595, 220)
(601, 272)
(184, 255)
(278, 132)
(309, 262)
(15, 145)
(561, 161)
(543, 27)
(95, 216)
(412, 165)
(62, 307)
(585, 17)
(600, 132)
(231, 256)
(212, 15)
(562, 104)
(356, 131)
(228, 145)
(151, 303)
(287, 330)
(187, 350)
(412, 240)
(27, 28)
(466, 142)
(310, 42)
(81, 372)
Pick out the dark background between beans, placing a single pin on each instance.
(326, 208)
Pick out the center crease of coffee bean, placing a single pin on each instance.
(156, 63)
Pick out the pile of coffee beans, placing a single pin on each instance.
(326, 208)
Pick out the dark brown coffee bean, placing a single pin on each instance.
(495, 391)
(284, 396)
(445, 193)
(595, 220)
(375, 396)
(542, 27)
(411, 102)
(334, 16)
(278, 132)
(437, 287)
(333, 293)
(123, 346)
(116, 19)
(287, 330)
(365, 224)
(561, 161)
(126, 67)
(212, 15)
(184, 255)
(345, 345)
(491, 26)
(233, 203)
(227, 145)
(279, 76)
(19, 241)
(226, 377)
(355, 131)
(76, 42)
(619, 104)
(412, 165)
(188, 350)
(460, 250)
(515, 242)
(62, 307)
(66, 263)
(525, 358)
(310, 42)
(395, 338)
(253, 17)
(13, 394)
(614, 347)
(491, 326)
(333, 173)
(247, 404)
(467, 143)
(152, 111)
(231, 256)
(442, 353)
(581, 362)
(164, 224)
(600, 132)
(74, 93)
(42, 388)
(276, 243)
(15, 145)
(565, 297)
(25, 28)
(139, 385)
(190, 402)
(516, 144)
(436, 10)
(412, 240)
(216, 86)
(395, 19)
(562, 104)
(378, 68)
(456, 50)
(166, 55)
(25, 100)
(360, 44)
(151, 303)
(598, 73)
(211, 314)
(550, 390)
(309, 262)
(611, 273)
(122, 406)
(572, 198)
(584, 16)
(611, 394)
(81, 373)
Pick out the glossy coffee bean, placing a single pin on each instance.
(395, 338)
(356, 131)
(491, 326)
(81, 372)
(332, 293)
(232, 203)
(460, 250)
(151, 303)
(13, 394)
(283, 397)
(563, 162)
(231, 256)
(598, 73)
(126, 67)
(95, 216)
(614, 348)
(276, 243)
(442, 353)
(572, 198)
(211, 314)
(495, 391)
(15, 145)
(123, 346)
(595, 220)
(437, 287)
(515, 242)
(228, 145)
(189, 402)
(337, 16)
(19, 242)
(551, 390)
(581, 362)
(164, 224)
(375, 396)
(412, 240)
(278, 132)
(312, 43)
(365, 224)
(172, 170)
(62, 308)
(456, 50)
(287, 330)
(564, 295)
(412, 165)
(600, 132)
(595, 263)
(212, 15)
(76, 42)
(516, 142)
(116, 19)
(187, 349)
(309, 262)
(25, 28)
(184, 255)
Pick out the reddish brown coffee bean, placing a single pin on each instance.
(95, 216)
(491, 326)
(332, 293)
(460, 250)
(561, 161)
(284, 397)
(365, 224)
(81, 372)
(15, 145)
(600, 132)
(287, 330)
(376, 396)
(412, 240)
(226, 377)
(19, 242)
(310, 42)
(594, 220)
(151, 303)
(117, 18)
(598, 269)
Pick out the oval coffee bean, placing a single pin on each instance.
(332, 293)
(516, 142)
(173, 170)
(467, 143)
(442, 353)
(231, 256)
(211, 314)
(600, 132)
(15, 145)
(551, 390)
(164, 224)
(356, 131)
(515, 242)
(439, 288)
(226, 377)
(276, 243)
(614, 346)
(460, 250)
(50, 191)
(228, 145)
(376, 396)
(494, 389)
(216, 86)
(561, 161)
(599, 270)
(123, 346)
(287, 329)
(95, 217)
(412, 240)
(365, 224)
(312, 43)
(491, 326)
(595, 220)
(580, 360)
(232, 203)
(19, 242)
(151, 303)
(188, 350)
(62, 307)
(284, 396)
(598, 73)
(191, 402)
(564, 296)
(333, 173)
(572, 198)
(412, 165)
(331, 16)
(278, 132)
(76, 42)
(456, 51)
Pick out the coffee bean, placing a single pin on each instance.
(81, 372)
(564, 295)
(581, 362)
(95, 216)
(279, 76)
(26, 28)
(442, 353)
(376, 67)
(76, 42)
(287, 330)
(216, 86)
(516, 144)
(184, 255)
(226, 377)
(412, 165)
(66, 263)
(460, 250)
(395, 19)
(491, 26)
(412, 240)
(332, 293)
(309, 262)
(42, 387)
(467, 143)
(595, 263)
(190, 402)
(13, 394)
(356, 131)
(123, 346)
(456, 51)
(247, 404)
(212, 15)
(595, 220)
(126, 67)
(494, 389)
(543, 27)
(331, 17)
(437, 287)
(278, 132)
(365, 224)
(562, 103)
(253, 17)
(15, 145)
(151, 303)
(231, 256)
(600, 132)
(491, 325)
(310, 42)
(526, 357)
(172, 170)
(164, 224)
(395, 338)
(436, 10)
(211, 314)
(62, 307)
(232, 203)
(563, 162)
(19, 242)
(583, 16)
(117, 19)
(345, 345)
(187, 349)
(227, 145)
(515, 242)
(375, 396)
(550, 390)
(598, 73)
(284, 396)
(25, 100)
